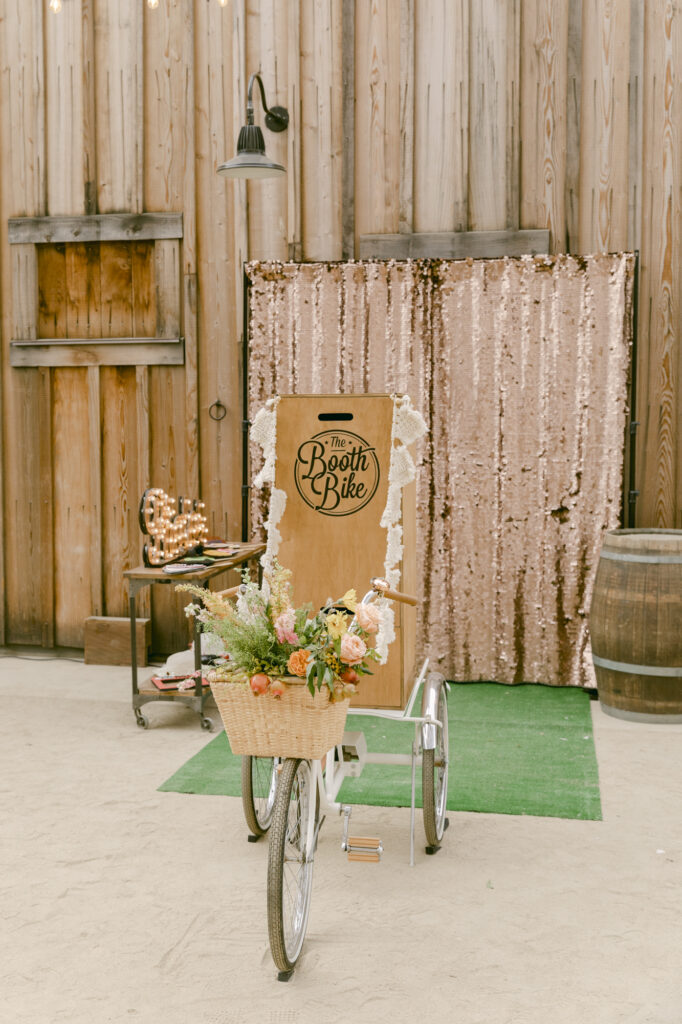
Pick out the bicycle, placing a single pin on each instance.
(289, 798)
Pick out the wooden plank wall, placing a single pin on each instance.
(406, 116)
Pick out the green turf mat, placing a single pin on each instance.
(513, 750)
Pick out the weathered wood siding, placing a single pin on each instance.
(406, 116)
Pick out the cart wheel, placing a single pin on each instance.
(142, 720)
(207, 723)
(290, 862)
(435, 779)
(259, 781)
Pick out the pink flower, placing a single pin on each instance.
(369, 617)
(284, 627)
(353, 648)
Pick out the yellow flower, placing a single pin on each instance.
(349, 600)
(337, 625)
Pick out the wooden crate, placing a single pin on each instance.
(340, 543)
(107, 640)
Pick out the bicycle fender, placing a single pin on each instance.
(429, 731)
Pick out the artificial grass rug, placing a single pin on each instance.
(523, 749)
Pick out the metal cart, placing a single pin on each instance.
(143, 576)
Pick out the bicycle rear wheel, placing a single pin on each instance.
(435, 778)
(259, 782)
(290, 862)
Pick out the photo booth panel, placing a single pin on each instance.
(333, 454)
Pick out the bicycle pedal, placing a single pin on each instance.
(364, 848)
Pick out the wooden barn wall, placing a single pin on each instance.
(406, 116)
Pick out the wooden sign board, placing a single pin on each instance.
(333, 455)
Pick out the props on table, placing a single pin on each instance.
(175, 528)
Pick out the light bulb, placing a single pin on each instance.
(223, 3)
(56, 6)
(153, 4)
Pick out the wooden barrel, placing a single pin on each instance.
(636, 625)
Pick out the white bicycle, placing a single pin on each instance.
(290, 798)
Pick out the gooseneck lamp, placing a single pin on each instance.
(251, 160)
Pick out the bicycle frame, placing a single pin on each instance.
(329, 778)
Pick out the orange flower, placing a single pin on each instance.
(298, 662)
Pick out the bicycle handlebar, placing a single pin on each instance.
(381, 587)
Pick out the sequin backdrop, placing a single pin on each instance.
(520, 367)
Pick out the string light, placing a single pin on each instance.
(56, 5)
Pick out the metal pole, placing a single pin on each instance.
(414, 766)
(632, 492)
(245, 406)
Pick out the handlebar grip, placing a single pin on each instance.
(396, 595)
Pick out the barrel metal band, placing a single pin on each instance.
(617, 556)
(638, 670)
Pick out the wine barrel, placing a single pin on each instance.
(636, 625)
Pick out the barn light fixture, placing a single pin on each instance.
(251, 160)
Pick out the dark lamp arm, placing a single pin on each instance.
(276, 118)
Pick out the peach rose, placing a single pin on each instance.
(353, 648)
(369, 617)
(298, 662)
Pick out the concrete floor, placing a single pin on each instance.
(120, 903)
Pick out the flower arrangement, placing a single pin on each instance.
(267, 639)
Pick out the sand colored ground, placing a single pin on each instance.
(123, 904)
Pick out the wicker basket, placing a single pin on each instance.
(293, 725)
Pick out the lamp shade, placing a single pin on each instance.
(251, 160)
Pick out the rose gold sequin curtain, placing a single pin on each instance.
(520, 367)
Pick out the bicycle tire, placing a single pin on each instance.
(290, 864)
(259, 783)
(435, 778)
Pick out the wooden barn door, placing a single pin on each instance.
(106, 405)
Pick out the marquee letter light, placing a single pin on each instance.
(174, 532)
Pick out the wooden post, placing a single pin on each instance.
(324, 150)
(658, 399)
(574, 76)
(377, 117)
(348, 172)
(220, 440)
(407, 143)
(635, 126)
(604, 154)
(294, 105)
(490, 160)
(543, 118)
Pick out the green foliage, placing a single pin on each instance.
(254, 646)
(263, 630)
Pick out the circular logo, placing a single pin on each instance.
(336, 472)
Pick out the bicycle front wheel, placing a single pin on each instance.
(259, 781)
(290, 862)
(435, 778)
